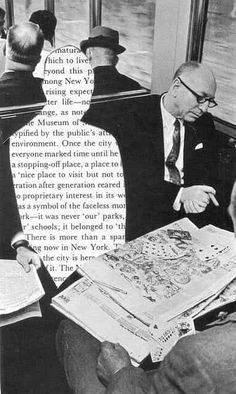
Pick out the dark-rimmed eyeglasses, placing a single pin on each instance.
(200, 99)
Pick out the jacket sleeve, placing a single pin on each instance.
(130, 380)
(188, 368)
(10, 223)
(202, 164)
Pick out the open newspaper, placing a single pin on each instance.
(19, 292)
(225, 295)
(152, 281)
(91, 307)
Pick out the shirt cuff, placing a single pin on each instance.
(177, 203)
(18, 237)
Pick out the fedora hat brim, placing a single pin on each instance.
(101, 42)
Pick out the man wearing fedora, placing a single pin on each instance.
(102, 49)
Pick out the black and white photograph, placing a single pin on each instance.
(117, 197)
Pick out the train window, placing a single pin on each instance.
(134, 19)
(72, 18)
(220, 54)
(23, 9)
(72, 22)
(129, 17)
(2, 5)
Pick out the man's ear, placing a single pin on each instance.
(88, 53)
(116, 59)
(176, 82)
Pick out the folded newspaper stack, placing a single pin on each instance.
(19, 293)
(145, 293)
(227, 294)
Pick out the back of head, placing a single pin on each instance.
(47, 23)
(99, 56)
(24, 44)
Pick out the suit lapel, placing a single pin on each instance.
(190, 141)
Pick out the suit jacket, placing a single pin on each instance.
(201, 364)
(204, 363)
(16, 88)
(136, 123)
(108, 80)
(30, 339)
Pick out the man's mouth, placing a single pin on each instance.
(196, 115)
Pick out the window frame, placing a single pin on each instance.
(197, 29)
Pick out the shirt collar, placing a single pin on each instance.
(168, 119)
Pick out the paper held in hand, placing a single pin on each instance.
(18, 289)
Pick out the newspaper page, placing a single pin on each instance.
(32, 310)
(173, 268)
(17, 288)
(225, 295)
(89, 304)
(103, 318)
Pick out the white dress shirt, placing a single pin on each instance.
(168, 130)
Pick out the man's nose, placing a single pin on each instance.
(204, 106)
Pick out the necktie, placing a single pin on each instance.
(173, 155)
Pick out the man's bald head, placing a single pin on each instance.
(193, 71)
(24, 44)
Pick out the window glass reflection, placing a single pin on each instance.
(134, 19)
(72, 21)
(72, 18)
(219, 52)
(23, 9)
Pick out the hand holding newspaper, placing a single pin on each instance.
(19, 292)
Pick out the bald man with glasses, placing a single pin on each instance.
(170, 168)
(168, 149)
(190, 95)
